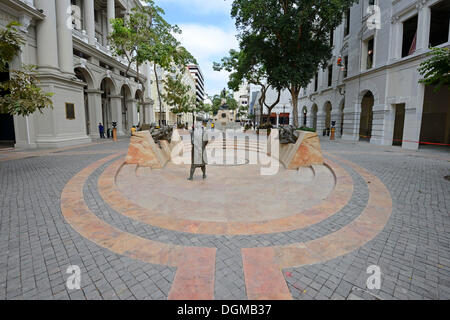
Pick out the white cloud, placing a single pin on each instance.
(205, 41)
(208, 44)
(202, 6)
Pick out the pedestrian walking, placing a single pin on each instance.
(101, 129)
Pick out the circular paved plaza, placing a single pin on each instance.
(138, 233)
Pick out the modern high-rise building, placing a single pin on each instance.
(199, 81)
(242, 96)
(68, 42)
(371, 88)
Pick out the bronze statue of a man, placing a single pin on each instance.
(199, 140)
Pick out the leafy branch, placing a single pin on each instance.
(21, 95)
(436, 70)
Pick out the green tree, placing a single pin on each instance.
(205, 108)
(145, 37)
(293, 37)
(242, 111)
(225, 97)
(170, 56)
(178, 94)
(436, 69)
(21, 95)
(11, 42)
(245, 66)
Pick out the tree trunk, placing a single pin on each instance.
(143, 92)
(262, 101)
(139, 80)
(295, 91)
(159, 94)
(270, 108)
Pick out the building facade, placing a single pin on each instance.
(371, 87)
(161, 109)
(197, 74)
(281, 114)
(242, 97)
(67, 41)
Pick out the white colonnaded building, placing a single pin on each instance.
(371, 88)
(67, 41)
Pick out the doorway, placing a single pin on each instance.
(106, 88)
(399, 124)
(365, 124)
(328, 109)
(7, 134)
(436, 116)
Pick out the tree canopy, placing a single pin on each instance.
(146, 37)
(10, 44)
(21, 95)
(436, 69)
(178, 94)
(291, 36)
(225, 96)
(246, 66)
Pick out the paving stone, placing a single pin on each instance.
(413, 250)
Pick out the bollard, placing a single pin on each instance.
(333, 134)
(115, 134)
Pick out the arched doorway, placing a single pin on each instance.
(328, 110)
(125, 93)
(107, 88)
(140, 109)
(7, 133)
(366, 119)
(314, 110)
(305, 116)
(435, 127)
(341, 108)
(83, 76)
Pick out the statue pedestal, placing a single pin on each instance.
(304, 153)
(144, 152)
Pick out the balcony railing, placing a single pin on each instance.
(29, 2)
(82, 35)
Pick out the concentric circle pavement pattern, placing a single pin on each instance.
(216, 240)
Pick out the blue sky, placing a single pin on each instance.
(208, 33)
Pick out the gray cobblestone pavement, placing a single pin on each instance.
(413, 251)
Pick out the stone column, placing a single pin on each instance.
(321, 116)
(147, 116)
(395, 51)
(413, 120)
(379, 129)
(64, 32)
(46, 38)
(132, 111)
(352, 117)
(111, 14)
(116, 111)
(95, 111)
(89, 20)
(423, 28)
